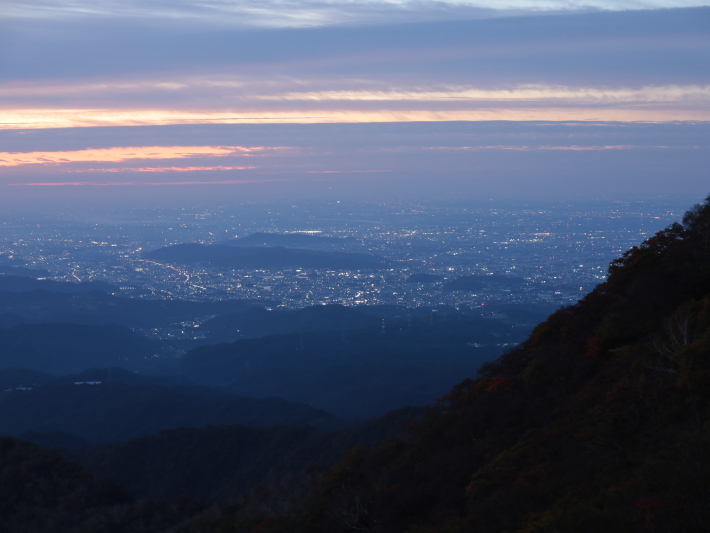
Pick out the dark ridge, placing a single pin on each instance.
(113, 411)
(12, 378)
(6, 268)
(99, 308)
(299, 240)
(259, 322)
(227, 461)
(477, 283)
(239, 257)
(65, 348)
(42, 491)
(26, 284)
(10, 319)
(357, 373)
(424, 278)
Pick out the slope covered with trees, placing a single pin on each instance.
(40, 491)
(227, 461)
(357, 373)
(112, 409)
(62, 348)
(598, 422)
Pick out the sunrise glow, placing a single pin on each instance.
(119, 154)
(92, 118)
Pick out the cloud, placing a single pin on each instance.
(132, 183)
(113, 50)
(522, 93)
(236, 90)
(625, 66)
(124, 91)
(345, 171)
(160, 169)
(309, 13)
(366, 159)
(66, 118)
(526, 148)
(119, 154)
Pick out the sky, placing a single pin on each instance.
(124, 102)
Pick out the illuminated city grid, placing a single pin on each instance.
(561, 251)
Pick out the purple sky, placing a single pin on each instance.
(220, 101)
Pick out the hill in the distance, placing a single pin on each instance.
(424, 278)
(17, 283)
(243, 257)
(288, 240)
(115, 405)
(13, 270)
(260, 322)
(477, 283)
(355, 373)
(62, 348)
(101, 308)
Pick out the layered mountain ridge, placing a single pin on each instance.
(597, 422)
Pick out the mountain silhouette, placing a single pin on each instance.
(250, 257)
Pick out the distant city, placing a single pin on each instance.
(549, 254)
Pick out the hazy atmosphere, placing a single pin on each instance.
(222, 101)
(323, 266)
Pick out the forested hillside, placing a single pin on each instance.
(598, 422)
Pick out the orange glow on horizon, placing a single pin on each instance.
(160, 169)
(128, 183)
(121, 154)
(66, 118)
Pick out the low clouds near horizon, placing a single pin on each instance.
(82, 77)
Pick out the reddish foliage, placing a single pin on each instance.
(646, 505)
(498, 382)
(618, 391)
(595, 346)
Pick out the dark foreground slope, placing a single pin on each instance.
(113, 405)
(227, 461)
(40, 491)
(598, 422)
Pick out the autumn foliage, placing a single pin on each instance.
(596, 423)
(498, 382)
